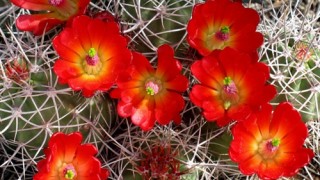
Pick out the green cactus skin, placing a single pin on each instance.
(296, 81)
(30, 113)
(154, 23)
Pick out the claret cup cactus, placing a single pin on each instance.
(159, 89)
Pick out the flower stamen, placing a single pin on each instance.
(230, 92)
(152, 88)
(272, 145)
(92, 58)
(69, 172)
(223, 34)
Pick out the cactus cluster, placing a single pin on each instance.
(34, 105)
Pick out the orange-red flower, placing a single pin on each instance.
(270, 144)
(148, 95)
(51, 13)
(67, 158)
(221, 23)
(92, 53)
(231, 86)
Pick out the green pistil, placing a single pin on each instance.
(275, 142)
(92, 58)
(226, 105)
(150, 91)
(225, 30)
(227, 81)
(69, 174)
(92, 52)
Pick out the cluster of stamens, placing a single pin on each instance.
(92, 64)
(229, 93)
(69, 172)
(268, 148)
(92, 58)
(223, 34)
(152, 88)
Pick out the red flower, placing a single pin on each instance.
(66, 159)
(271, 144)
(231, 86)
(147, 94)
(221, 23)
(51, 13)
(92, 52)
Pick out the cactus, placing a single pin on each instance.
(33, 105)
(159, 156)
(150, 24)
(292, 53)
(291, 50)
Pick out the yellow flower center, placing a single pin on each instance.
(229, 93)
(268, 148)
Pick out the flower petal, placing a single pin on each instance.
(142, 67)
(84, 160)
(66, 69)
(124, 109)
(80, 29)
(284, 114)
(133, 96)
(72, 142)
(143, 115)
(35, 5)
(179, 84)
(234, 68)
(207, 99)
(165, 60)
(69, 47)
(263, 120)
(206, 74)
(167, 106)
(201, 93)
(37, 23)
(250, 165)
